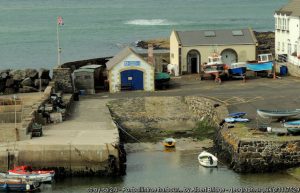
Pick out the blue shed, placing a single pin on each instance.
(128, 71)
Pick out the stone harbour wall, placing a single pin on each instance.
(63, 79)
(207, 109)
(255, 155)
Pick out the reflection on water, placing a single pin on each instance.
(173, 169)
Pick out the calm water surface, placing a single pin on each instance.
(97, 28)
(173, 169)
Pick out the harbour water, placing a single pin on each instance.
(96, 28)
(179, 169)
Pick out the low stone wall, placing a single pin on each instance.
(207, 109)
(258, 154)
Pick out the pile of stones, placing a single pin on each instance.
(22, 81)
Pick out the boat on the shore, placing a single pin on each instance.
(264, 63)
(237, 69)
(162, 79)
(169, 142)
(277, 114)
(18, 185)
(237, 114)
(234, 120)
(207, 159)
(214, 67)
(21, 171)
(294, 130)
(292, 124)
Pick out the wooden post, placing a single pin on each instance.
(274, 70)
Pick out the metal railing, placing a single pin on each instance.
(288, 58)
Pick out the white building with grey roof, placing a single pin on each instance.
(129, 71)
(190, 49)
(287, 31)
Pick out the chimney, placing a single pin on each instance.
(150, 54)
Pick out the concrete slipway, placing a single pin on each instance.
(81, 144)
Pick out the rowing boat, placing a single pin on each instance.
(294, 124)
(207, 159)
(277, 114)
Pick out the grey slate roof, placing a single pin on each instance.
(222, 37)
(292, 8)
(120, 56)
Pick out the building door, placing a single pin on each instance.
(194, 65)
(229, 56)
(133, 79)
(193, 62)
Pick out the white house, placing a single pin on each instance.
(128, 70)
(287, 31)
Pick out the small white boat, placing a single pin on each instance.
(207, 159)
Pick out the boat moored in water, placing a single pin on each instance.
(18, 184)
(169, 142)
(207, 159)
(44, 175)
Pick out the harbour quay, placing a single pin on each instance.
(86, 142)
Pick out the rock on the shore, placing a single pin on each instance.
(27, 82)
(26, 89)
(18, 75)
(44, 74)
(43, 82)
(32, 73)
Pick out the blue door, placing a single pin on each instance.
(133, 79)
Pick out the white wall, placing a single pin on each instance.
(115, 78)
(287, 36)
(174, 54)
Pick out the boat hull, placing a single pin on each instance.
(169, 142)
(18, 185)
(277, 114)
(260, 66)
(292, 124)
(207, 160)
(294, 131)
(40, 177)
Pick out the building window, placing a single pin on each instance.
(278, 46)
(279, 23)
(276, 22)
(295, 48)
(282, 48)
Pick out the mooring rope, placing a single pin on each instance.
(119, 127)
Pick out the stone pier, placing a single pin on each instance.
(87, 143)
(253, 151)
